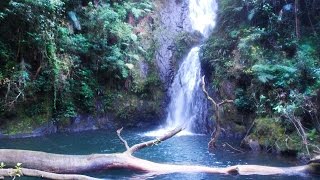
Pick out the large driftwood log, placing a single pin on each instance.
(41, 174)
(57, 166)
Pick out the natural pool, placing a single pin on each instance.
(177, 150)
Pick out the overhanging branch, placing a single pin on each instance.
(122, 140)
(155, 141)
(207, 94)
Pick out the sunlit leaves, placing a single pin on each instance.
(279, 75)
(122, 30)
(134, 37)
(138, 9)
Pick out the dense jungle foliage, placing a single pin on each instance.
(60, 58)
(269, 51)
(63, 58)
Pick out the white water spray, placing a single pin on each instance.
(184, 108)
(203, 15)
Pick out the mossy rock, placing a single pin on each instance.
(26, 118)
(271, 135)
(184, 42)
(24, 124)
(130, 109)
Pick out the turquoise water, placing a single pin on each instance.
(177, 150)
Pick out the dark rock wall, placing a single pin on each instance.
(172, 19)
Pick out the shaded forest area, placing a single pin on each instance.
(265, 54)
(62, 58)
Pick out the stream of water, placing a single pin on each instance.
(177, 150)
(187, 105)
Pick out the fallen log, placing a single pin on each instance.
(57, 166)
(41, 174)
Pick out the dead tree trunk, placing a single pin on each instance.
(57, 166)
(217, 107)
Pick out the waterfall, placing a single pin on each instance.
(186, 106)
(202, 15)
(183, 108)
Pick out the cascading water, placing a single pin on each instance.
(183, 108)
(185, 92)
(203, 15)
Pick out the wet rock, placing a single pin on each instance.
(254, 145)
(88, 122)
(47, 128)
(251, 144)
(203, 122)
(77, 124)
(228, 89)
(172, 19)
(233, 131)
(144, 68)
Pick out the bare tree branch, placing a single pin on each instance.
(123, 140)
(8, 90)
(155, 141)
(300, 129)
(235, 149)
(225, 102)
(217, 108)
(206, 93)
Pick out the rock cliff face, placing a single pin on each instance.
(172, 19)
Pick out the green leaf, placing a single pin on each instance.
(264, 78)
(279, 108)
(137, 12)
(129, 66)
(142, 50)
(2, 165)
(134, 37)
(136, 57)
